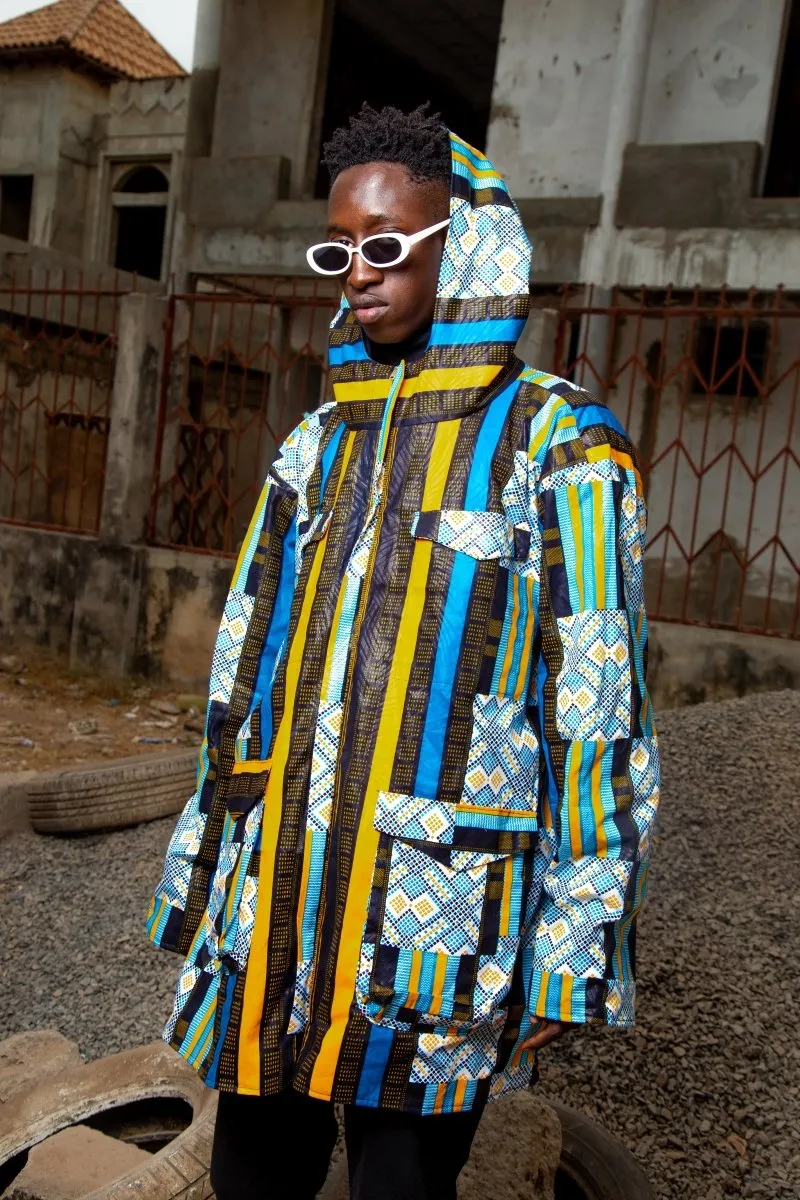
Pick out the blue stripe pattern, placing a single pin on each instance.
(459, 594)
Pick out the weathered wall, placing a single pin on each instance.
(182, 601)
(689, 665)
(146, 117)
(83, 100)
(741, 258)
(711, 74)
(64, 128)
(711, 78)
(47, 129)
(158, 610)
(30, 130)
(551, 95)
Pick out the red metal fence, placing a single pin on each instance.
(242, 368)
(706, 383)
(57, 357)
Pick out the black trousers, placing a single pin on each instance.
(266, 1148)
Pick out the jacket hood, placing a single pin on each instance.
(482, 304)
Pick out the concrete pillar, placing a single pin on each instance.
(598, 266)
(107, 604)
(630, 74)
(537, 343)
(205, 78)
(272, 80)
(134, 412)
(199, 125)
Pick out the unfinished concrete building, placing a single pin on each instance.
(92, 129)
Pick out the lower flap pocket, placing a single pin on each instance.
(447, 831)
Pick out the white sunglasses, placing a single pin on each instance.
(380, 250)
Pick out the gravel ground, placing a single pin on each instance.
(706, 1090)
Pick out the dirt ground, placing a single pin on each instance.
(51, 717)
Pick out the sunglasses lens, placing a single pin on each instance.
(382, 251)
(331, 258)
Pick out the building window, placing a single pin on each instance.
(730, 359)
(782, 177)
(140, 201)
(410, 51)
(16, 204)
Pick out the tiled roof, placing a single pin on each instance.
(101, 31)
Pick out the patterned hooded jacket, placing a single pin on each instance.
(429, 777)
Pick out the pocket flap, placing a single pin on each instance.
(454, 827)
(476, 533)
(247, 785)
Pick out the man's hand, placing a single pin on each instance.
(544, 1033)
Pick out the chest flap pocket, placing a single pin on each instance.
(478, 533)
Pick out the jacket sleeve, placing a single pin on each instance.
(601, 792)
(266, 564)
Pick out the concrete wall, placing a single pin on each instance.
(163, 607)
(551, 95)
(83, 100)
(30, 133)
(712, 71)
(690, 665)
(182, 601)
(708, 257)
(146, 117)
(271, 82)
(47, 129)
(144, 121)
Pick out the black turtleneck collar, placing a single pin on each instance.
(391, 355)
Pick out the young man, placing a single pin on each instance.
(420, 834)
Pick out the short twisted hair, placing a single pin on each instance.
(418, 140)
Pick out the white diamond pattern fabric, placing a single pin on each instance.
(593, 688)
(502, 769)
(487, 253)
(232, 630)
(430, 906)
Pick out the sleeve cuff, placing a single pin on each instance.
(561, 997)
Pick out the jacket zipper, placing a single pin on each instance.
(381, 473)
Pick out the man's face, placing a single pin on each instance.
(391, 303)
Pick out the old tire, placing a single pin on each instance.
(594, 1164)
(111, 796)
(28, 1058)
(178, 1172)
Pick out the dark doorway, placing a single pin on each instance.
(404, 52)
(140, 240)
(140, 222)
(16, 204)
(782, 177)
